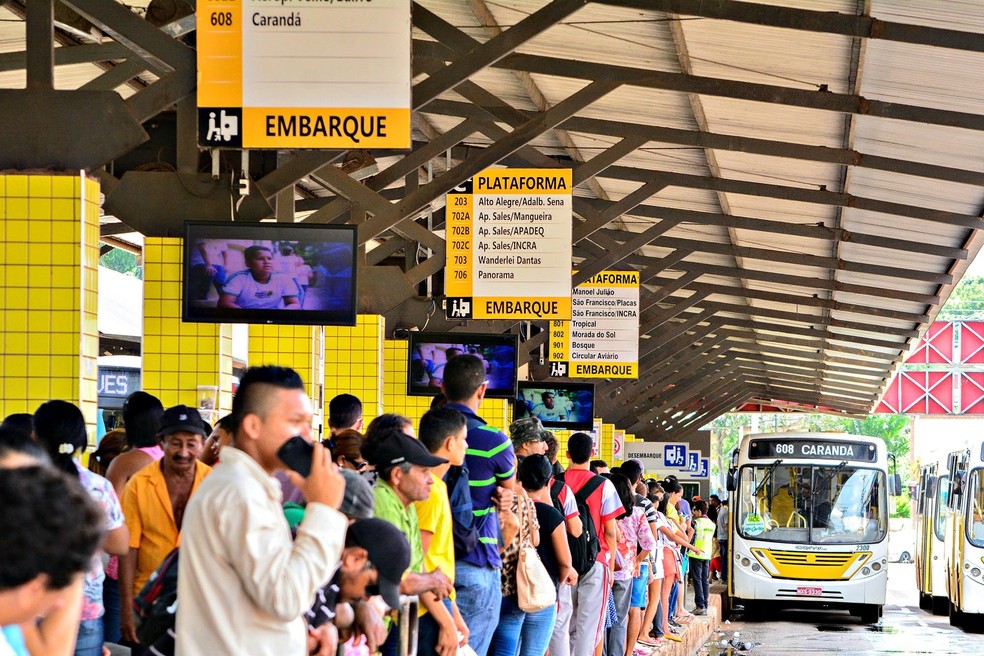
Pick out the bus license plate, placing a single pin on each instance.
(809, 592)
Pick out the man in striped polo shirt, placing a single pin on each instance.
(491, 464)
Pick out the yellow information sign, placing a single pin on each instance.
(304, 73)
(602, 338)
(509, 245)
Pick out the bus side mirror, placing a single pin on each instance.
(732, 483)
(895, 485)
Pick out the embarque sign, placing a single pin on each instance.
(602, 338)
(304, 73)
(509, 245)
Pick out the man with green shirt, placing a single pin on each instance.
(404, 467)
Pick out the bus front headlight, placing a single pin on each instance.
(865, 571)
(745, 562)
(876, 566)
(976, 572)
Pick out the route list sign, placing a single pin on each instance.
(509, 245)
(602, 338)
(304, 73)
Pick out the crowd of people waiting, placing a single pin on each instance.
(506, 553)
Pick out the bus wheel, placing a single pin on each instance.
(940, 605)
(870, 613)
(925, 601)
(905, 557)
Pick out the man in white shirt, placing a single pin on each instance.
(243, 585)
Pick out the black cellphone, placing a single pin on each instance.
(296, 453)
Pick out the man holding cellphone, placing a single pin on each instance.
(243, 584)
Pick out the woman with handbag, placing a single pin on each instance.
(542, 563)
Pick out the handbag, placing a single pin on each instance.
(534, 588)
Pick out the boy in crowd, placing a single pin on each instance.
(443, 431)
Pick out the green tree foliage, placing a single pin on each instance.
(966, 303)
(122, 261)
(902, 506)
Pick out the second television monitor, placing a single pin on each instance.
(558, 405)
(430, 352)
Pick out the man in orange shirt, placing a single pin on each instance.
(154, 502)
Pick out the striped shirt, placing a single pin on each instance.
(490, 458)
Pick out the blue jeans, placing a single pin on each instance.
(520, 633)
(111, 616)
(479, 597)
(90, 640)
(674, 593)
(428, 632)
(700, 570)
(617, 634)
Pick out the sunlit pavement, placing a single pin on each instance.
(905, 629)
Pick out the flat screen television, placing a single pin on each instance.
(269, 273)
(430, 352)
(567, 406)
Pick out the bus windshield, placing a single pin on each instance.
(975, 508)
(819, 504)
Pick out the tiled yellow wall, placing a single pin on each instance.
(496, 412)
(605, 443)
(49, 231)
(354, 363)
(395, 397)
(299, 347)
(178, 356)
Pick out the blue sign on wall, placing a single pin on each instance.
(675, 456)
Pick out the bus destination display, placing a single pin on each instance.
(766, 448)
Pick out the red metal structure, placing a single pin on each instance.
(944, 375)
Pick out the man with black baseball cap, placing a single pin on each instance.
(404, 466)
(154, 502)
(375, 557)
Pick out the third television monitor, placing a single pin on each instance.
(430, 352)
(558, 405)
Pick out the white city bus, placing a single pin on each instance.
(930, 525)
(964, 535)
(810, 522)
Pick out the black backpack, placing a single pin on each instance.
(464, 528)
(585, 547)
(155, 607)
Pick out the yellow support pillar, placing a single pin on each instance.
(354, 363)
(187, 363)
(302, 348)
(49, 228)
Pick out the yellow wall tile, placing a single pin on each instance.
(178, 356)
(49, 351)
